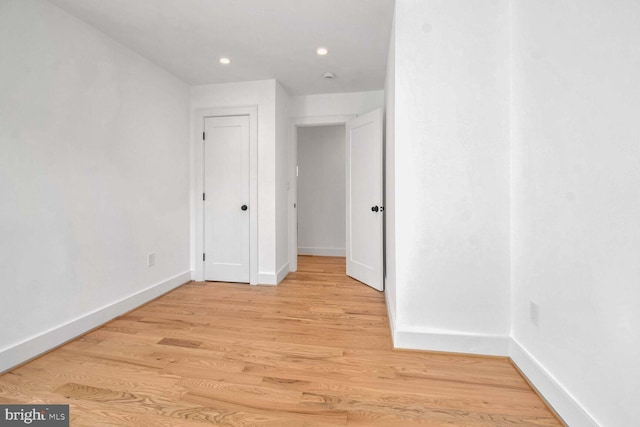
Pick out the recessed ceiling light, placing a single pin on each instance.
(225, 61)
(322, 51)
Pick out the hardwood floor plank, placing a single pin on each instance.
(177, 342)
(313, 351)
(289, 414)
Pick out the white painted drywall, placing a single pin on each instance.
(390, 181)
(452, 175)
(283, 185)
(576, 198)
(321, 190)
(263, 94)
(336, 104)
(94, 173)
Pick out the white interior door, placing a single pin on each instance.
(226, 199)
(365, 212)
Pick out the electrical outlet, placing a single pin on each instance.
(534, 313)
(151, 259)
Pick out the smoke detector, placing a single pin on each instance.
(328, 76)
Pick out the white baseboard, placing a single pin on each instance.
(563, 402)
(273, 279)
(267, 279)
(555, 394)
(322, 251)
(488, 345)
(282, 273)
(35, 346)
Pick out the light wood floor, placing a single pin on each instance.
(313, 351)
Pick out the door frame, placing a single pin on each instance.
(298, 122)
(197, 231)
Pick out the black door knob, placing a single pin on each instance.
(374, 209)
(244, 207)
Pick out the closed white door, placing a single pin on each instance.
(365, 211)
(226, 199)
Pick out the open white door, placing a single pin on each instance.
(365, 212)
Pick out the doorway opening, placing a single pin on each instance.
(316, 227)
(321, 190)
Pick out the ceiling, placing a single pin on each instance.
(265, 39)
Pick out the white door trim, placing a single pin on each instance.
(293, 151)
(198, 165)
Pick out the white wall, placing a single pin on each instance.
(283, 185)
(336, 104)
(321, 190)
(263, 94)
(576, 200)
(94, 174)
(564, 235)
(452, 175)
